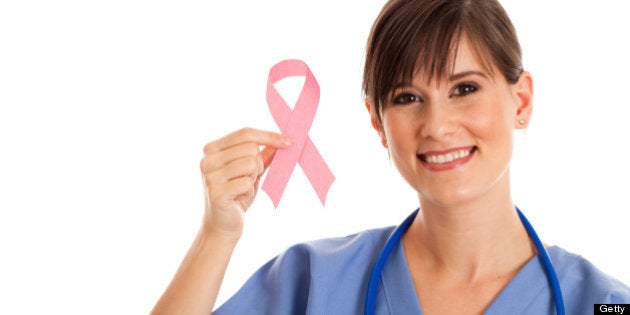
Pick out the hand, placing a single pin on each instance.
(232, 167)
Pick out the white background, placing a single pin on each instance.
(106, 105)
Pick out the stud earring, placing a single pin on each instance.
(521, 121)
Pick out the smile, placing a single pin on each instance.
(447, 159)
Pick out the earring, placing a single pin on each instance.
(521, 121)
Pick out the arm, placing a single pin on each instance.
(232, 167)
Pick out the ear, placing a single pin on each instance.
(524, 93)
(376, 122)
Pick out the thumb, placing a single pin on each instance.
(267, 154)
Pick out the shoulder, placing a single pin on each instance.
(361, 243)
(330, 258)
(317, 277)
(581, 280)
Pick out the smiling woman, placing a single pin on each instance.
(472, 111)
(445, 90)
(105, 107)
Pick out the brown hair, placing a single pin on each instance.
(421, 36)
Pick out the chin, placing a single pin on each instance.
(447, 198)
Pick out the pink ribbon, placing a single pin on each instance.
(295, 123)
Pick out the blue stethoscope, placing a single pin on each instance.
(394, 239)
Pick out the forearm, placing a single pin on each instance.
(232, 166)
(196, 284)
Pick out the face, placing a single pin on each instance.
(452, 139)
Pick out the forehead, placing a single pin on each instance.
(463, 56)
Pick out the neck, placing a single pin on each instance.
(470, 242)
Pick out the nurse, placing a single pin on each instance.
(445, 89)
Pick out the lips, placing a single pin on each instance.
(443, 160)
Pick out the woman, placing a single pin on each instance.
(445, 89)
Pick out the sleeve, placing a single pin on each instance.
(600, 288)
(585, 285)
(281, 286)
(327, 276)
(619, 292)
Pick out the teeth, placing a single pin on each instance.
(446, 158)
(449, 157)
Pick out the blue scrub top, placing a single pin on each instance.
(330, 276)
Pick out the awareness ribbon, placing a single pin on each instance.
(295, 123)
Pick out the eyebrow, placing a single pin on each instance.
(451, 78)
(457, 76)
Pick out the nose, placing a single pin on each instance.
(437, 121)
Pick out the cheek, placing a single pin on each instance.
(398, 132)
(494, 126)
(494, 120)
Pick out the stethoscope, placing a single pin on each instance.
(394, 239)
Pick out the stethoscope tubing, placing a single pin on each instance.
(394, 239)
(552, 277)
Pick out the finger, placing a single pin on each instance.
(225, 194)
(217, 160)
(249, 166)
(246, 199)
(260, 137)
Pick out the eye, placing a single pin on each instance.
(464, 89)
(405, 98)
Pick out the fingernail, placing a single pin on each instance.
(285, 140)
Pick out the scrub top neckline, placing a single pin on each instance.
(528, 282)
